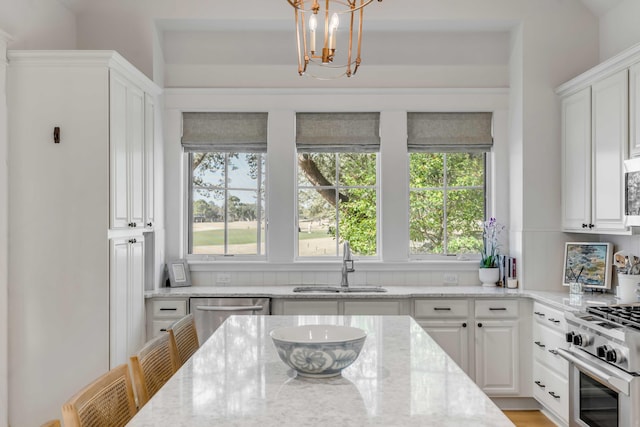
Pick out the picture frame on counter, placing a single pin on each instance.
(588, 263)
(179, 274)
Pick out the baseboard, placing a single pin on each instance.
(516, 403)
(553, 418)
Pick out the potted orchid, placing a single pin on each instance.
(489, 271)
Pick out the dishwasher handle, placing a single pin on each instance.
(229, 307)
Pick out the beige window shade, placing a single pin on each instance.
(228, 132)
(337, 132)
(449, 132)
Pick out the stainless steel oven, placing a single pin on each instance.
(602, 395)
(604, 366)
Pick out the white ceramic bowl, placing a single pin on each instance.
(318, 350)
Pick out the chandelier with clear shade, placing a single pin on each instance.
(317, 23)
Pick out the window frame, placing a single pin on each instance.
(261, 209)
(376, 187)
(488, 202)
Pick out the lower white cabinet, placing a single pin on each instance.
(162, 312)
(550, 370)
(126, 299)
(350, 307)
(481, 336)
(447, 322)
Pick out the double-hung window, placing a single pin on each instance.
(337, 183)
(447, 181)
(226, 164)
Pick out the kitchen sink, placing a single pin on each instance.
(338, 289)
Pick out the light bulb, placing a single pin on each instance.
(333, 27)
(313, 23)
(335, 21)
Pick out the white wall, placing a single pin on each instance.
(619, 28)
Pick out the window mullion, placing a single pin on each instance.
(226, 204)
(445, 221)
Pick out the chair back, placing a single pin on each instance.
(51, 423)
(106, 402)
(152, 367)
(184, 337)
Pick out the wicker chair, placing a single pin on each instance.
(152, 367)
(106, 402)
(184, 337)
(52, 423)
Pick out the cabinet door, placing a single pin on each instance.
(127, 320)
(118, 151)
(576, 160)
(453, 337)
(136, 147)
(634, 113)
(149, 170)
(373, 308)
(610, 144)
(497, 356)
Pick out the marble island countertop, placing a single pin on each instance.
(401, 378)
(560, 300)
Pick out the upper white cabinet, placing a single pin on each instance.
(634, 113)
(131, 148)
(600, 129)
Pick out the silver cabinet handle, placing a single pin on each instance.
(229, 307)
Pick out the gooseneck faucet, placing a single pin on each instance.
(347, 265)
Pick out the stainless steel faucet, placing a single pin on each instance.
(347, 265)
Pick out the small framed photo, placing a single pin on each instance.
(179, 273)
(588, 263)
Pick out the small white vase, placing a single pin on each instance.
(489, 276)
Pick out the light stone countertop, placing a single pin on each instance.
(401, 378)
(559, 300)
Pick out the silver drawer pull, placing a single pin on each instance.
(229, 307)
(442, 308)
(497, 309)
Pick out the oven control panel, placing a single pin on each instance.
(598, 345)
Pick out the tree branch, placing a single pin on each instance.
(315, 176)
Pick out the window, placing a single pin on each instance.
(226, 206)
(447, 181)
(337, 183)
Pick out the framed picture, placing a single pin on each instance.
(588, 263)
(179, 273)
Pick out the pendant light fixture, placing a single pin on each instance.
(320, 55)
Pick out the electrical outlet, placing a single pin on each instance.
(450, 278)
(223, 278)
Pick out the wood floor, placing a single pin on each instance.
(529, 419)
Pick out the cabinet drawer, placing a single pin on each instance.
(549, 316)
(545, 341)
(374, 308)
(496, 309)
(440, 309)
(310, 307)
(160, 326)
(551, 390)
(169, 309)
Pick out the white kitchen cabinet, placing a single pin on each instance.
(550, 370)
(126, 300)
(372, 307)
(162, 312)
(634, 110)
(497, 361)
(447, 322)
(304, 307)
(129, 148)
(595, 143)
(149, 162)
(346, 306)
(60, 217)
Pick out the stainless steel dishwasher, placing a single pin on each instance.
(210, 313)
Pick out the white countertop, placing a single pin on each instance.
(560, 300)
(401, 378)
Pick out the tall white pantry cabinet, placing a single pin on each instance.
(79, 208)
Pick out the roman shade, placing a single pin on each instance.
(449, 132)
(337, 132)
(226, 132)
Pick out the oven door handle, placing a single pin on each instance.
(618, 384)
(229, 307)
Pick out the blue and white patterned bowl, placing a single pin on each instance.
(318, 351)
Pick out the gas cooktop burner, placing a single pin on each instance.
(623, 314)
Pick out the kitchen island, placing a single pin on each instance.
(402, 377)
